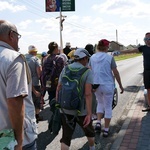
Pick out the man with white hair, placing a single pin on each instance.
(36, 69)
(16, 105)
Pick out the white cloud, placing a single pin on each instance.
(51, 24)
(86, 19)
(12, 7)
(80, 27)
(124, 8)
(24, 24)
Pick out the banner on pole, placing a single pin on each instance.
(54, 5)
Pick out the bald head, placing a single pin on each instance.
(5, 28)
(8, 34)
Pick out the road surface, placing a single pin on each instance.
(131, 76)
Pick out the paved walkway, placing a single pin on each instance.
(135, 132)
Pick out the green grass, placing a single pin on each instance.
(117, 58)
(126, 56)
(39, 55)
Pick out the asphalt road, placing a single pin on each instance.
(131, 76)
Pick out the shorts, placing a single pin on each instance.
(37, 100)
(31, 146)
(68, 132)
(146, 77)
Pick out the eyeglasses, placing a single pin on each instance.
(19, 36)
(146, 39)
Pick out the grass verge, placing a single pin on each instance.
(126, 56)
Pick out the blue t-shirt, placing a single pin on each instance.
(146, 56)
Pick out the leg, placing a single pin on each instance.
(148, 101)
(146, 75)
(89, 132)
(100, 108)
(91, 141)
(67, 132)
(64, 146)
(107, 122)
(51, 94)
(94, 105)
(108, 98)
(37, 104)
(148, 95)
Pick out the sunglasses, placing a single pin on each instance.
(146, 39)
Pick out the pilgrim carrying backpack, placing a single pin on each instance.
(52, 68)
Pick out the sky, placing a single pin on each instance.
(126, 21)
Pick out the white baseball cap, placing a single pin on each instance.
(32, 48)
(81, 53)
(68, 44)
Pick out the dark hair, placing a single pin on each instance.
(90, 49)
(147, 33)
(51, 47)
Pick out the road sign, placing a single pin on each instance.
(54, 5)
(67, 5)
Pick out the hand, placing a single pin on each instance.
(18, 147)
(87, 120)
(122, 90)
(37, 94)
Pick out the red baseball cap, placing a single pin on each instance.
(105, 42)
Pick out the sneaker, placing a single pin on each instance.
(147, 109)
(105, 133)
(98, 127)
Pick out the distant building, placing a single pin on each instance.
(131, 47)
(116, 46)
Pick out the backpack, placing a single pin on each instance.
(69, 96)
(52, 68)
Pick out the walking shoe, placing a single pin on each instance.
(147, 109)
(105, 133)
(98, 127)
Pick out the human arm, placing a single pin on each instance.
(117, 77)
(57, 90)
(38, 67)
(39, 71)
(16, 114)
(16, 91)
(59, 85)
(88, 99)
(130, 51)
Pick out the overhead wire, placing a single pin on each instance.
(39, 12)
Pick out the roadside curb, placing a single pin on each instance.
(121, 134)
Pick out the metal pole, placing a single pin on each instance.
(61, 42)
(62, 19)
